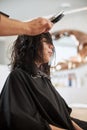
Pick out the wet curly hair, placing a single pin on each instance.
(25, 51)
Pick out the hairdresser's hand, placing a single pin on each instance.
(55, 128)
(38, 26)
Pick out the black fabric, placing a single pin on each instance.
(31, 102)
(2, 120)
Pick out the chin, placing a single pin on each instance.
(47, 60)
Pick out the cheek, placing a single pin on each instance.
(46, 57)
(45, 52)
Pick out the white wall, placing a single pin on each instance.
(77, 92)
(4, 71)
(74, 95)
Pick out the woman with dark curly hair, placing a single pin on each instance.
(28, 99)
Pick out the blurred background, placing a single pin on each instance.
(69, 68)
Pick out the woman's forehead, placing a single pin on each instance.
(44, 39)
(47, 40)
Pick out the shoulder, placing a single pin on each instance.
(18, 74)
(15, 72)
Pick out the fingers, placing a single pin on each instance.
(39, 25)
(46, 24)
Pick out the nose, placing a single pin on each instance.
(52, 49)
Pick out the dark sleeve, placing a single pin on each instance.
(2, 13)
(19, 108)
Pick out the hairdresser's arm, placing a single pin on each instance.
(36, 26)
(76, 126)
(55, 128)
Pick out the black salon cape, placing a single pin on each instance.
(32, 103)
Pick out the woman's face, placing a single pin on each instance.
(47, 51)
